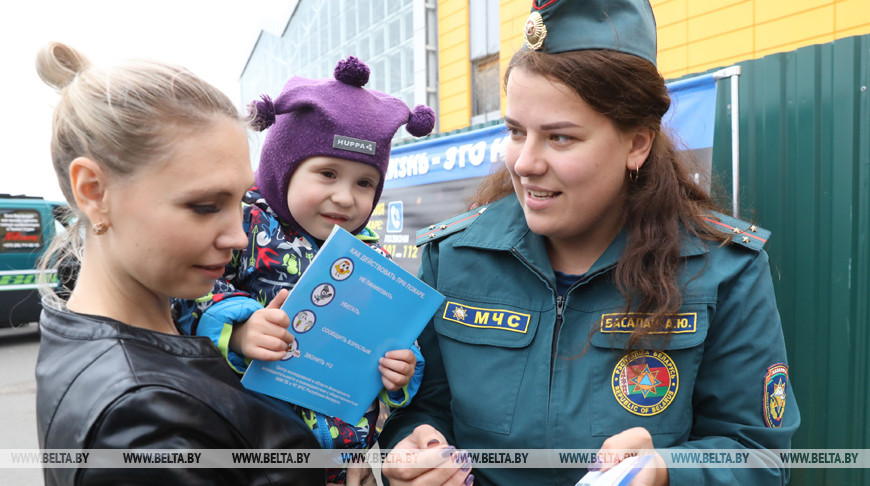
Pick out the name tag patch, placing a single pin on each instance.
(486, 318)
(676, 324)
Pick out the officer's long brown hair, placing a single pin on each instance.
(663, 199)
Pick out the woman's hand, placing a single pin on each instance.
(397, 368)
(435, 462)
(359, 476)
(655, 473)
(264, 335)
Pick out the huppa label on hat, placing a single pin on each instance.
(571, 25)
(354, 144)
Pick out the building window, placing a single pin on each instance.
(483, 50)
(485, 94)
(379, 32)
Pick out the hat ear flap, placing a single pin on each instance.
(421, 121)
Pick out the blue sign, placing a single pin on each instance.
(395, 216)
(460, 156)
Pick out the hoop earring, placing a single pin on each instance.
(100, 228)
(633, 174)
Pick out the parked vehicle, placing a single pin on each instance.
(27, 226)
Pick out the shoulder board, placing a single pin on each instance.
(448, 227)
(744, 234)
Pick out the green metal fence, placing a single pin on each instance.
(805, 175)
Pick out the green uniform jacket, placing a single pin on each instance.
(492, 380)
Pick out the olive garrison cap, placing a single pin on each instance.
(571, 25)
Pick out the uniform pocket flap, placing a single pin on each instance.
(688, 328)
(492, 324)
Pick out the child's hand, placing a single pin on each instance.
(264, 335)
(397, 368)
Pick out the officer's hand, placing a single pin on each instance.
(424, 458)
(636, 440)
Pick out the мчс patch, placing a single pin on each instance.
(486, 318)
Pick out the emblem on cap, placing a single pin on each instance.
(535, 31)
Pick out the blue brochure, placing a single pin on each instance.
(348, 309)
(619, 475)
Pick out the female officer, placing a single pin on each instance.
(597, 301)
(155, 162)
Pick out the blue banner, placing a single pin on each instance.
(459, 156)
(472, 153)
(692, 113)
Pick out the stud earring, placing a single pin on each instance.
(100, 228)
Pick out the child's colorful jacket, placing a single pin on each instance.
(274, 259)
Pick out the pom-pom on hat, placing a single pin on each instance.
(330, 118)
(571, 25)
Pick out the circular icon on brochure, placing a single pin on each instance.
(341, 268)
(292, 351)
(303, 321)
(322, 294)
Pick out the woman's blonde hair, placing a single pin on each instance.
(123, 118)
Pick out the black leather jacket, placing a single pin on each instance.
(102, 384)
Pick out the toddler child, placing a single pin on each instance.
(323, 162)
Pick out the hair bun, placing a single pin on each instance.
(262, 113)
(421, 121)
(58, 64)
(352, 71)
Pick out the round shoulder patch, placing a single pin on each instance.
(645, 382)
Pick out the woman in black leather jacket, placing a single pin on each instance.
(155, 163)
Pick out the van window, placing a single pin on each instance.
(20, 230)
(27, 226)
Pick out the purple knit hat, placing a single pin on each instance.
(332, 118)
